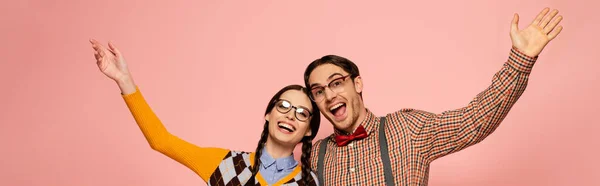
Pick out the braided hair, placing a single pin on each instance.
(306, 141)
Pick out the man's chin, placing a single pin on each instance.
(343, 126)
(339, 125)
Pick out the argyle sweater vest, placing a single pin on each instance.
(234, 169)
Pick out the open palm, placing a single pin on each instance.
(532, 40)
(110, 61)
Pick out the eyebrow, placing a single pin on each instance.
(334, 75)
(329, 78)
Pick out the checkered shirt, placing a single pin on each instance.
(415, 137)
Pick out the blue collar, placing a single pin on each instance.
(285, 163)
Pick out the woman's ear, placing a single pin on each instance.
(308, 133)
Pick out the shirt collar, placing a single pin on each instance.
(285, 163)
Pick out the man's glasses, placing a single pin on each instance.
(317, 93)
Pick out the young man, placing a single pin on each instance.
(398, 148)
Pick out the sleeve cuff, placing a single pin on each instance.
(132, 96)
(521, 62)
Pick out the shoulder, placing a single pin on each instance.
(408, 117)
(238, 156)
(410, 114)
(322, 141)
(409, 111)
(239, 153)
(316, 149)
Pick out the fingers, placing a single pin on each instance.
(96, 45)
(515, 24)
(101, 52)
(555, 32)
(539, 17)
(97, 55)
(552, 24)
(100, 55)
(547, 19)
(93, 41)
(114, 49)
(96, 49)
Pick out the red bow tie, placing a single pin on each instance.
(343, 140)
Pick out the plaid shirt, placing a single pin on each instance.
(415, 138)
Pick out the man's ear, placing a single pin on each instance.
(358, 84)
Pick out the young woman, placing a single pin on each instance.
(290, 117)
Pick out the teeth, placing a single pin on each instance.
(336, 106)
(284, 125)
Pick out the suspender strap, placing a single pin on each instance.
(322, 149)
(385, 156)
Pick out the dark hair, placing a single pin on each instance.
(346, 65)
(315, 122)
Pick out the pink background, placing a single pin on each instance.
(208, 69)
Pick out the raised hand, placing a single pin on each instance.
(532, 40)
(110, 61)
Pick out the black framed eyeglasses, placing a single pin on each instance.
(301, 113)
(317, 93)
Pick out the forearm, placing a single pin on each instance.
(454, 130)
(202, 160)
(155, 132)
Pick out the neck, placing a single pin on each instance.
(362, 115)
(278, 150)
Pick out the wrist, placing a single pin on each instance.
(521, 61)
(126, 85)
(124, 80)
(526, 52)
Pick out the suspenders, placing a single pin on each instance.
(385, 157)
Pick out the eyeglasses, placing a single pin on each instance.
(317, 93)
(284, 106)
